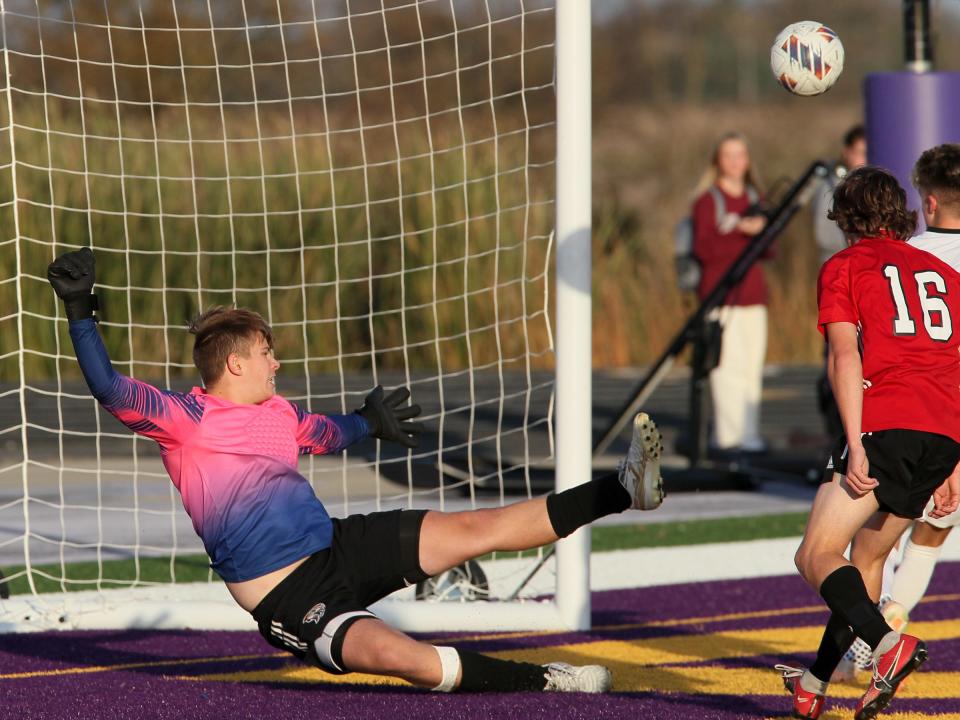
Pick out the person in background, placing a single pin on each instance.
(830, 240)
(853, 154)
(726, 218)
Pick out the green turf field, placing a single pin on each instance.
(193, 568)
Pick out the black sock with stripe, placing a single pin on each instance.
(482, 673)
(837, 639)
(846, 595)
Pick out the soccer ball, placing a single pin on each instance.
(807, 58)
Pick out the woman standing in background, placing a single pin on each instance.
(726, 218)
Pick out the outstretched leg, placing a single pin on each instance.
(449, 539)
(372, 646)
(836, 516)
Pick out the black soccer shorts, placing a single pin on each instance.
(908, 465)
(309, 611)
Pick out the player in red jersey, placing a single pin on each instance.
(898, 405)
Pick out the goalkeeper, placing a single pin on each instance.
(231, 450)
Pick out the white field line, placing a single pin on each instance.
(209, 606)
(648, 567)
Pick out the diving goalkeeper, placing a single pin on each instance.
(231, 450)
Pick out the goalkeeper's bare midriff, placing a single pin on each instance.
(249, 593)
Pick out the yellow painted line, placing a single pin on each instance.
(652, 665)
(298, 674)
(713, 680)
(687, 648)
(700, 620)
(135, 666)
(627, 677)
(778, 642)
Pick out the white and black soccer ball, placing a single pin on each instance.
(807, 58)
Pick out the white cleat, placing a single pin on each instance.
(640, 472)
(562, 677)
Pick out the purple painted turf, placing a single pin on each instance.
(154, 692)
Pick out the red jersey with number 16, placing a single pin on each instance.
(906, 303)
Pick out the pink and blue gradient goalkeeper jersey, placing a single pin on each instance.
(234, 465)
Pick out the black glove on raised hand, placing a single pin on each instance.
(72, 276)
(389, 419)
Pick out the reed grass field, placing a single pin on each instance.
(345, 259)
(379, 214)
(338, 243)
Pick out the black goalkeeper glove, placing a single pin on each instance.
(72, 276)
(389, 419)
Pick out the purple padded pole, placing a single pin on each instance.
(907, 113)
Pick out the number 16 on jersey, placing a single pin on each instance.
(936, 314)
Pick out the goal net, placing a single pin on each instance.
(376, 177)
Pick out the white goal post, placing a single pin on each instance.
(401, 187)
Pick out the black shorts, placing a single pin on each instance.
(908, 465)
(309, 611)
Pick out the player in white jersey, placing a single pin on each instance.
(936, 176)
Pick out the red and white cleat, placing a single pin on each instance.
(888, 672)
(806, 705)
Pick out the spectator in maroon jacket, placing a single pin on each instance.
(726, 218)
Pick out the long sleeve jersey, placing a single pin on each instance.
(718, 248)
(235, 465)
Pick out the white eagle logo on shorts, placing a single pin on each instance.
(315, 613)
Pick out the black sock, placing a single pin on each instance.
(481, 673)
(837, 639)
(846, 595)
(581, 505)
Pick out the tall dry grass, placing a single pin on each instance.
(436, 259)
(420, 275)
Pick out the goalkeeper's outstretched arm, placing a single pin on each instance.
(141, 407)
(382, 417)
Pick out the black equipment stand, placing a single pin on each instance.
(702, 333)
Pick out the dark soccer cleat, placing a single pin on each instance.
(640, 472)
(805, 704)
(888, 672)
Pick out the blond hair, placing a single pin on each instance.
(711, 175)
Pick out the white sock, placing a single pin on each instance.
(913, 576)
(812, 684)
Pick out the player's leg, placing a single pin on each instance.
(449, 539)
(838, 513)
(912, 465)
(859, 656)
(836, 516)
(871, 553)
(920, 557)
(872, 545)
(372, 646)
(370, 557)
